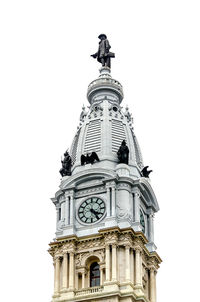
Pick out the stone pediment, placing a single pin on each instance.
(93, 175)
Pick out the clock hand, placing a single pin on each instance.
(94, 212)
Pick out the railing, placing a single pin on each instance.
(89, 290)
(106, 81)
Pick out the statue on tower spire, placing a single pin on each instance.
(103, 54)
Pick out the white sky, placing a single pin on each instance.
(45, 68)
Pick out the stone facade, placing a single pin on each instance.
(119, 239)
(127, 269)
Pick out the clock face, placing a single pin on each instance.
(142, 222)
(91, 210)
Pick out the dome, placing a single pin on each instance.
(103, 128)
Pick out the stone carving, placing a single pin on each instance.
(66, 165)
(89, 159)
(123, 153)
(96, 111)
(145, 172)
(89, 244)
(83, 114)
(128, 115)
(111, 238)
(122, 212)
(81, 258)
(103, 55)
(97, 108)
(89, 191)
(78, 259)
(145, 278)
(125, 186)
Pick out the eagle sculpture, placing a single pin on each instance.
(89, 158)
(145, 171)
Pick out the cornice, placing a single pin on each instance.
(106, 236)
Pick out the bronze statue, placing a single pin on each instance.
(145, 172)
(89, 159)
(66, 165)
(123, 153)
(103, 54)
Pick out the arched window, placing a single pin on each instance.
(94, 274)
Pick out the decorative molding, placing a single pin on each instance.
(90, 191)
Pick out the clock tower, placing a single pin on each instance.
(104, 248)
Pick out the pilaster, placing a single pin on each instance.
(56, 276)
(138, 272)
(136, 209)
(152, 284)
(65, 271)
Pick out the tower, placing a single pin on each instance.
(104, 247)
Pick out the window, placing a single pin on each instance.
(94, 274)
(59, 214)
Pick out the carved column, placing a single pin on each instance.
(127, 251)
(63, 211)
(108, 201)
(76, 280)
(151, 227)
(57, 214)
(71, 270)
(65, 271)
(71, 209)
(113, 201)
(83, 279)
(107, 262)
(101, 275)
(57, 275)
(114, 262)
(137, 206)
(67, 214)
(132, 264)
(137, 267)
(152, 285)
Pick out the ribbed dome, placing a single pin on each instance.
(104, 127)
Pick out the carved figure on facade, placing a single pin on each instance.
(78, 259)
(122, 213)
(123, 153)
(89, 158)
(128, 115)
(123, 210)
(103, 55)
(66, 165)
(83, 114)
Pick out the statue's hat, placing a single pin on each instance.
(102, 35)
